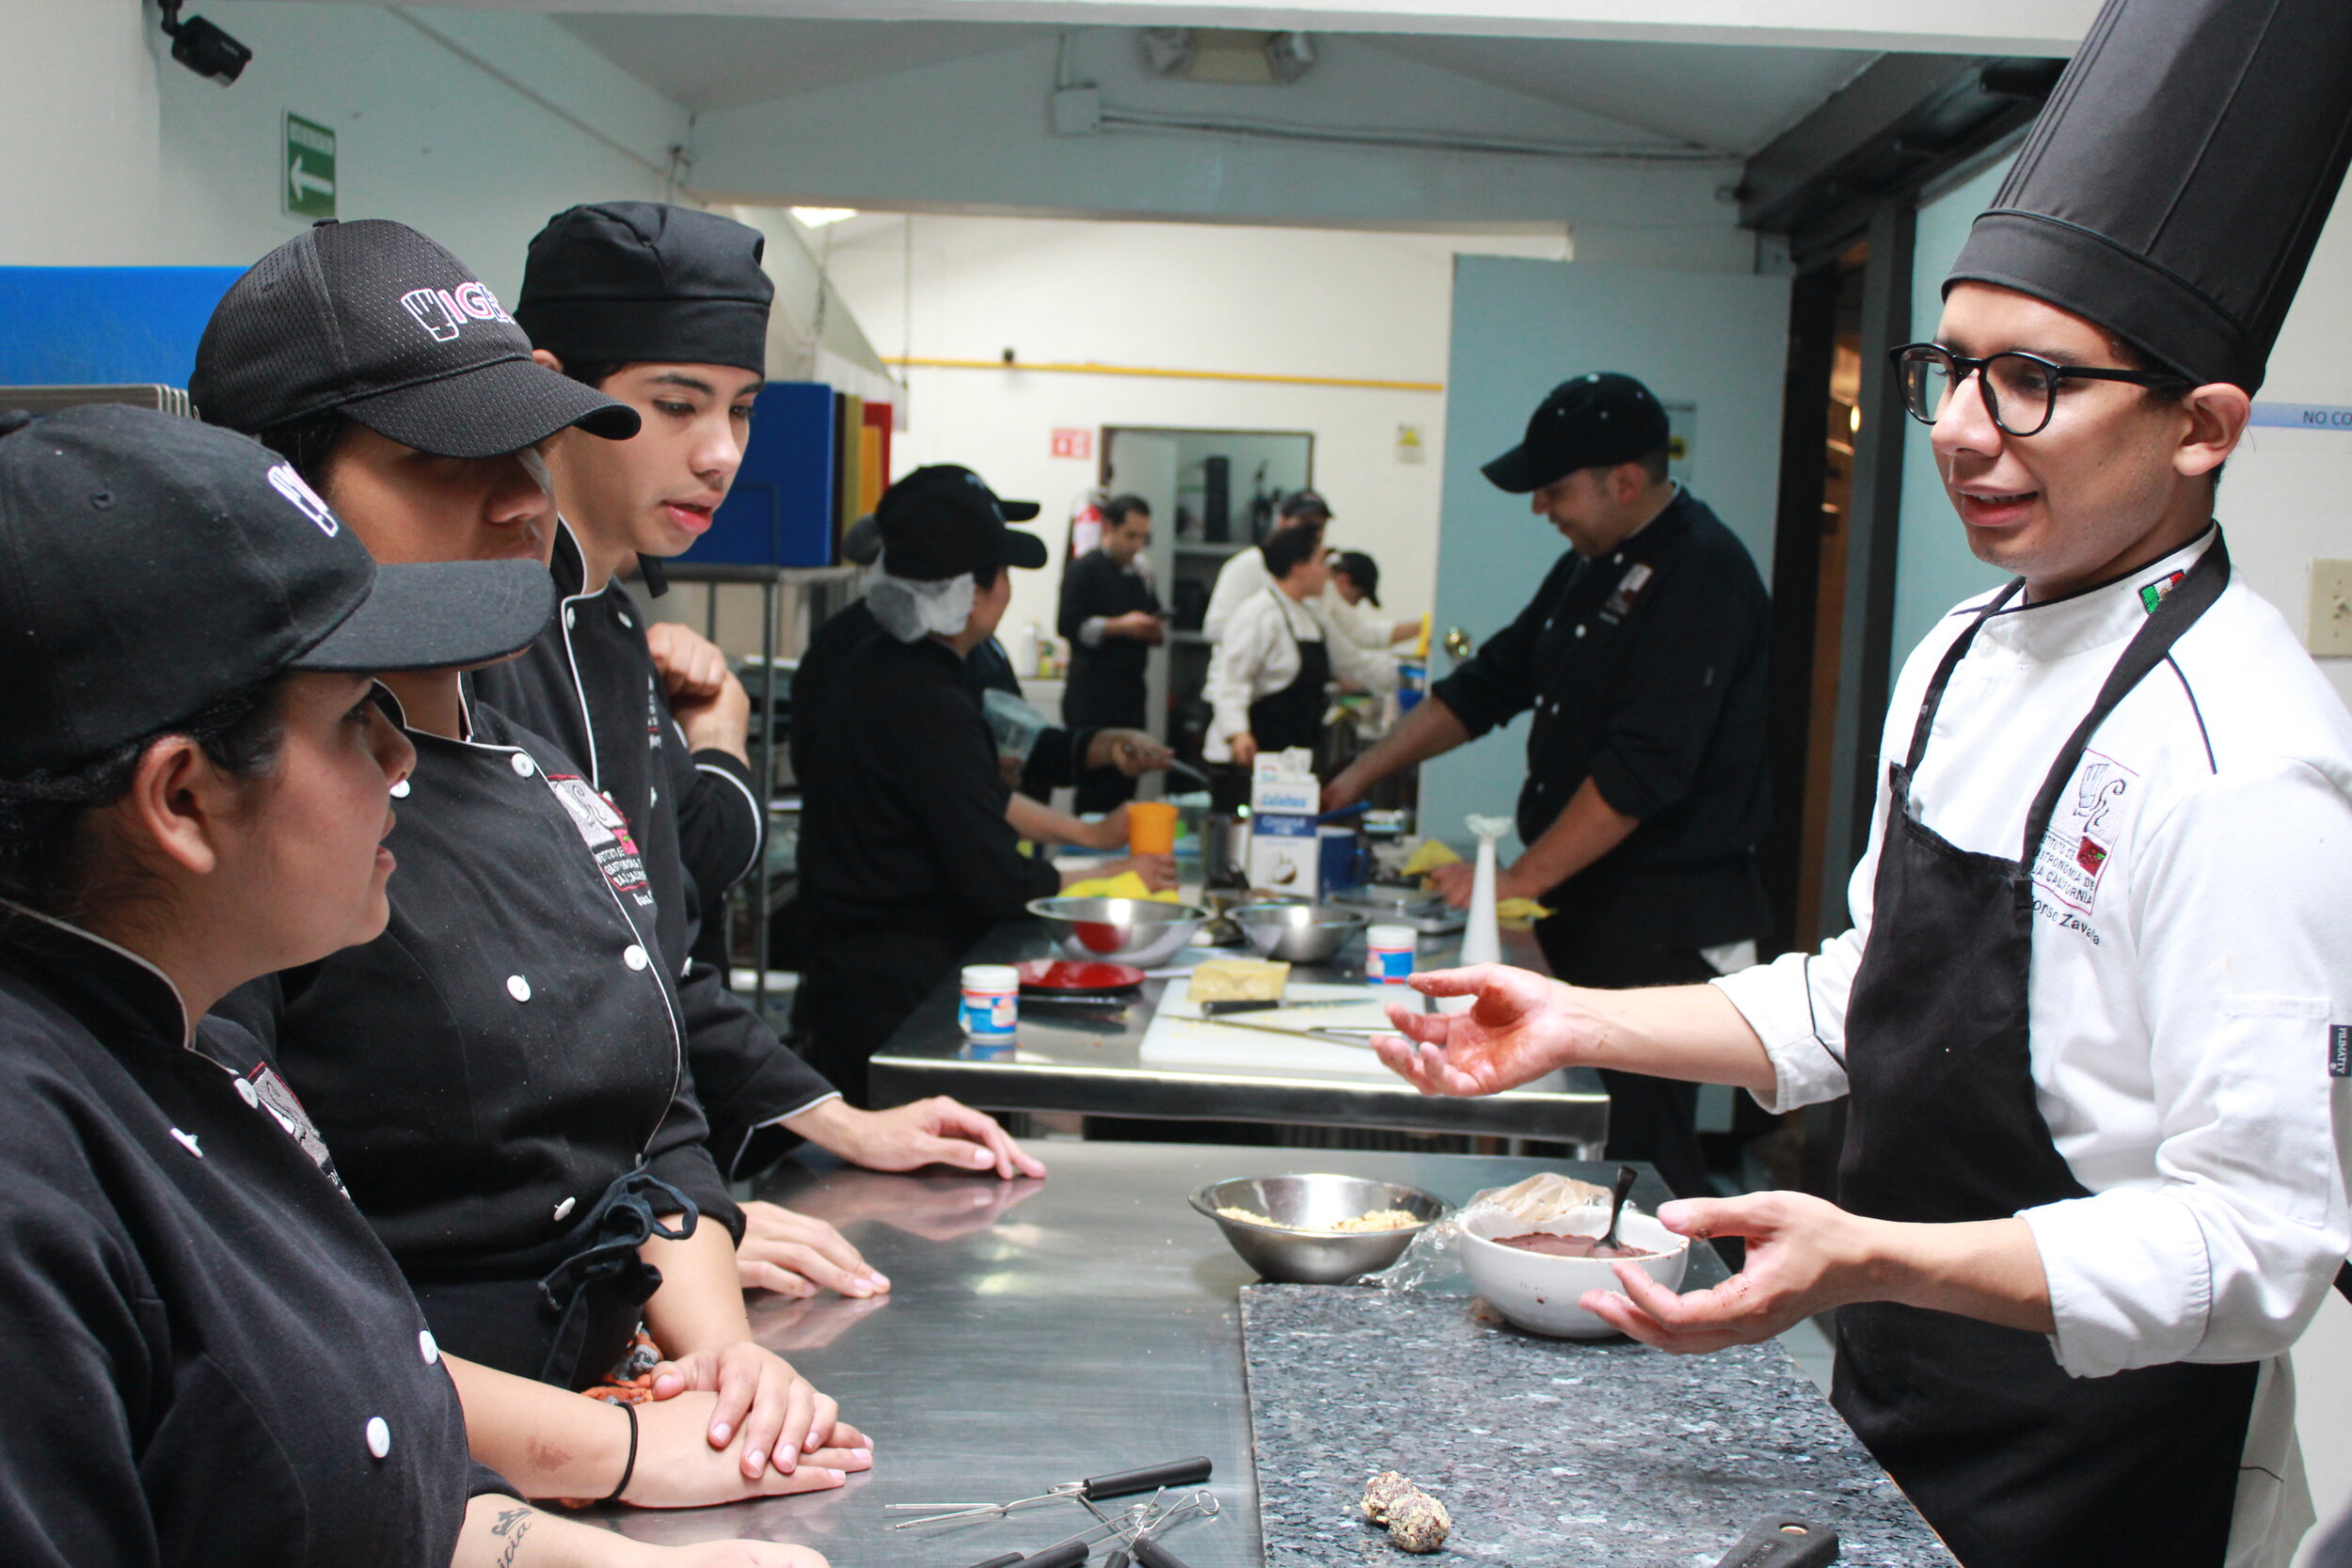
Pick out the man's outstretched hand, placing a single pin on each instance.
(1521, 1027)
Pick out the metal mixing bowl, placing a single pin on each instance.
(1314, 1256)
(1119, 930)
(1302, 933)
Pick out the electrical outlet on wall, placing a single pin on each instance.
(2330, 633)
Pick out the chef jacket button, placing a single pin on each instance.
(1617, 560)
(400, 790)
(246, 1092)
(625, 620)
(569, 616)
(633, 956)
(520, 762)
(379, 1437)
(427, 1346)
(1580, 628)
(518, 988)
(187, 1141)
(563, 1210)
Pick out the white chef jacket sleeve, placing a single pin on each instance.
(2245, 940)
(1350, 659)
(1241, 576)
(1237, 667)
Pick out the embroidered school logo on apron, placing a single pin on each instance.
(2083, 831)
(605, 831)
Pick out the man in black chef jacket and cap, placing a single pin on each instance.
(1642, 661)
(2095, 1020)
(906, 854)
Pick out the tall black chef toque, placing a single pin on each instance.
(630, 282)
(2176, 182)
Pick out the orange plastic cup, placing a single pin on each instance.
(1151, 827)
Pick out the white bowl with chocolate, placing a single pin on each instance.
(1535, 1273)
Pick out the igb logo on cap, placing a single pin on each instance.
(306, 500)
(443, 312)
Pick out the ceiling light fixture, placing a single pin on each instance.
(818, 217)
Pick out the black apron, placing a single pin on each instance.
(1292, 716)
(2015, 1463)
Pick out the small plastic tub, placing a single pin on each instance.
(1389, 954)
(992, 1004)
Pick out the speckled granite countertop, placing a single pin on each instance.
(1579, 1454)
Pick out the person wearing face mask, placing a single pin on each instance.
(1641, 663)
(906, 855)
(502, 1074)
(1112, 619)
(664, 308)
(1269, 678)
(2093, 1020)
(214, 1358)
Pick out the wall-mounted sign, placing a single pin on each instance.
(1411, 446)
(1074, 443)
(2301, 416)
(306, 170)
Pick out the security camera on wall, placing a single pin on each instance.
(204, 47)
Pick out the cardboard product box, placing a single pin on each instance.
(1284, 798)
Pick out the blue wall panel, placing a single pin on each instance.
(781, 510)
(82, 325)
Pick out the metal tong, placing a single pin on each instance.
(1094, 1489)
(1136, 1527)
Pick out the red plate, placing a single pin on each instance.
(1072, 975)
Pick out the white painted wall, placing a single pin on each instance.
(125, 158)
(1270, 301)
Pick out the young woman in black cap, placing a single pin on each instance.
(665, 308)
(2093, 1022)
(501, 1075)
(214, 1359)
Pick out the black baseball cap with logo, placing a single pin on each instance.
(626, 282)
(941, 521)
(1593, 421)
(150, 566)
(376, 320)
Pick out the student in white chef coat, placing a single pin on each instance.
(1267, 677)
(2094, 1016)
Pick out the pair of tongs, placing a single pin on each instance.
(1133, 1531)
(1094, 1489)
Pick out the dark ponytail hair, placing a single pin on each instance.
(48, 859)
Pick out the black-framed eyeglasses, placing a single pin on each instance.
(2020, 388)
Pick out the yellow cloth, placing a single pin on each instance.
(1127, 884)
(1517, 913)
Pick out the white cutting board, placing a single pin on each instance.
(1180, 1037)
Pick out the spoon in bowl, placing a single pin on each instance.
(1616, 1207)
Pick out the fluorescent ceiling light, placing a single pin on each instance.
(817, 217)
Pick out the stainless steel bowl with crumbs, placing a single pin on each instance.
(1318, 1228)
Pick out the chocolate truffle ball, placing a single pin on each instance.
(1419, 1523)
(1383, 1493)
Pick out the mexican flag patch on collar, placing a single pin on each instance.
(2152, 594)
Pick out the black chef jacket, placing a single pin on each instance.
(589, 683)
(1645, 673)
(1056, 762)
(906, 857)
(209, 1345)
(509, 1047)
(1106, 679)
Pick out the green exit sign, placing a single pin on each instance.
(307, 174)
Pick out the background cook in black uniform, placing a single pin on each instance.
(1113, 620)
(906, 856)
(2093, 1022)
(501, 1073)
(666, 310)
(1643, 657)
(214, 1359)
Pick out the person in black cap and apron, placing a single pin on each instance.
(1269, 679)
(213, 1358)
(1112, 619)
(906, 855)
(1642, 661)
(500, 1074)
(2092, 1019)
(665, 308)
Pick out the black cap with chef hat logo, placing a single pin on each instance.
(627, 282)
(941, 522)
(1595, 420)
(376, 320)
(2175, 184)
(152, 566)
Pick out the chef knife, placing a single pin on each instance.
(1782, 1541)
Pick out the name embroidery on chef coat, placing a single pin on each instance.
(2089, 820)
(273, 1096)
(1621, 598)
(605, 831)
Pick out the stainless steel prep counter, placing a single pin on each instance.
(1062, 1063)
(1039, 1332)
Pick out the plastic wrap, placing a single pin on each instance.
(1435, 1255)
(1013, 725)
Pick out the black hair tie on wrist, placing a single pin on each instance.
(630, 1468)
